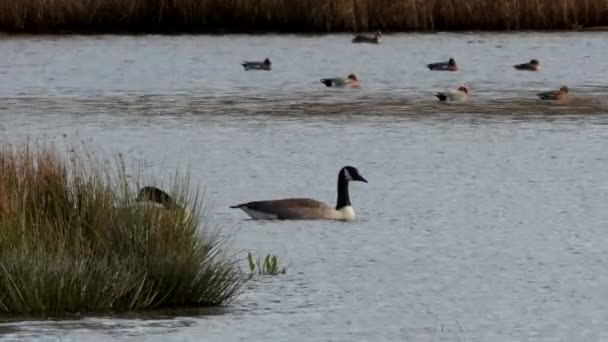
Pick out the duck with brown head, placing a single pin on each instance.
(459, 95)
(307, 208)
(350, 80)
(555, 95)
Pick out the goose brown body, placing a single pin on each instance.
(307, 208)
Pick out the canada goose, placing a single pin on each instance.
(364, 38)
(306, 208)
(157, 198)
(555, 95)
(351, 80)
(444, 66)
(251, 65)
(459, 95)
(533, 65)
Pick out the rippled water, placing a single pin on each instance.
(480, 222)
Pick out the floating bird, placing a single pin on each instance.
(444, 66)
(251, 65)
(307, 208)
(365, 38)
(157, 198)
(459, 95)
(533, 65)
(350, 80)
(555, 95)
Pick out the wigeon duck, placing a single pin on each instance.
(533, 65)
(444, 66)
(459, 95)
(350, 80)
(264, 65)
(365, 38)
(555, 95)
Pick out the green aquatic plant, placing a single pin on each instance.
(73, 239)
(267, 266)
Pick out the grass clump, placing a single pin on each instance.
(74, 240)
(267, 266)
(298, 15)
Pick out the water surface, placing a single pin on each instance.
(480, 222)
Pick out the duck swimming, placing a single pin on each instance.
(365, 38)
(307, 208)
(532, 65)
(555, 95)
(459, 95)
(450, 65)
(351, 80)
(263, 65)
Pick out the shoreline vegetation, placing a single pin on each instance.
(74, 240)
(298, 16)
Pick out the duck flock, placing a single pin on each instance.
(311, 209)
(461, 94)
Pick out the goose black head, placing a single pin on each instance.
(564, 89)
(267, 61)
(350, 173)
(452, 61)
(150, 193)
(534, 62)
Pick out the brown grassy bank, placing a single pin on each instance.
(49, 16)
(74, 239)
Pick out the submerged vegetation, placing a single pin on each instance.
(73, 240)
(298, 15)
(268, 266)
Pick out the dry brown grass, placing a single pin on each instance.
(72, 239)
(298, 15)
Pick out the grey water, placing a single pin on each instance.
(485, 221)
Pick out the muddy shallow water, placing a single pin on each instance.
(480, 222)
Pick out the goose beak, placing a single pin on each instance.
(361, 179)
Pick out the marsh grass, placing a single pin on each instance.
(298, 15)
(72, 240)
(267, 266)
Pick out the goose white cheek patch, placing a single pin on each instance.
(347, 175)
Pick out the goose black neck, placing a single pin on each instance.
(343, 197)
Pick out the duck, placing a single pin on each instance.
(350, 80)
(532, 65)
(154, 197)
(365, 38)
(555, 95)
(266, 64)
(459, 95)
(307, 208)
(450, 65)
